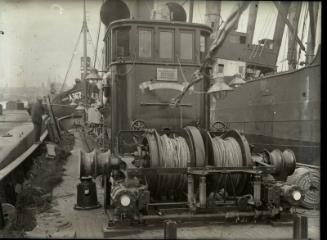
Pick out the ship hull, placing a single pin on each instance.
(278, 111)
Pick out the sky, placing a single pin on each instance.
(40, 36)
(39, 39)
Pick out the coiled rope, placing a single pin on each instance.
(227, 153)
(309, 182)
(168, 152)
(175, 153)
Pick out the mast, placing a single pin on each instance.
(84, 54)
(294, 15)
(311, 42)
(253, 11)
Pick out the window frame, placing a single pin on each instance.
(115, 30)
(181, 30)
(173, 31)
(152, 30)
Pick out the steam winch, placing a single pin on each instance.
(202, 172)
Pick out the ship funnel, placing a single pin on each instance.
(112, 10)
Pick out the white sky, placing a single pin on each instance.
(39, 39)
(40, 36)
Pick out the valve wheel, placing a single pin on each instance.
(137, 125)
(219, 126)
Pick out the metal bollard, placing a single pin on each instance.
(170, 230)
(300, 227)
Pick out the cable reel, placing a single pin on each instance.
(230, 150)
(196, 148)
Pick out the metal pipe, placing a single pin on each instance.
(207, 216)
(203, 192)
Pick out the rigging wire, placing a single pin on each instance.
(97, 44)
(93, 46)
(71, 60)
(184, 78)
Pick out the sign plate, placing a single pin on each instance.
(167, 74)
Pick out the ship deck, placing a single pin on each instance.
(62, 221)
(12, 118)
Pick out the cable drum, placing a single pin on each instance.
(168, 152)
(227, 153)
(309, 182)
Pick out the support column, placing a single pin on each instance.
(190, 190)
(203, 192)
(257, 190)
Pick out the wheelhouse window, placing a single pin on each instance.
(166, 44)
(122, 42)
(145, 43)
(186, 45)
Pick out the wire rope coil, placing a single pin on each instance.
(168, 152)
(227, 153)
(309, 182)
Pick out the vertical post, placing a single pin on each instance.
(170, 230)
(190, 20)
(190, 190)
(313, 14)
(257, 190)
(294, 15)
(203, 192)
(300, 227)
(84, 57)
(2, 220)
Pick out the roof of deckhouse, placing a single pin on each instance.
(129, 21)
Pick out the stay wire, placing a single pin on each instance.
(71, 60)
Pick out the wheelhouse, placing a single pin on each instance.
(156, 42)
